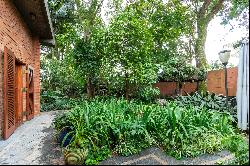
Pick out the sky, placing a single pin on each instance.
(218, 36)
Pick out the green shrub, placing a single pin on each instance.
(125, 127)
(148, 94)
(54, 100)
(210, 101)
(237, 144)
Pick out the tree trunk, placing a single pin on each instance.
(204, 15)
(200, 55)
(178, 88)
(90, 88)
(126, 86)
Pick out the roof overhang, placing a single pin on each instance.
(36, 15)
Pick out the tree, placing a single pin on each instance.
(129, 50)
(58, 72)
(204, 12)
(88, 55)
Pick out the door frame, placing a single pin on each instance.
(29, 93)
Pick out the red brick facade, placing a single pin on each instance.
(16, 36)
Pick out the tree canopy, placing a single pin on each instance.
(142, 41)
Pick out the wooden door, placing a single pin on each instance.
(30, 93)
(18, 94)
(9, 93)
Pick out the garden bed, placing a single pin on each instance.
(102, 128)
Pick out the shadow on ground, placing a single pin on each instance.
(51, 151)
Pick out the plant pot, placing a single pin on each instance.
(65, 132)
(75, 156)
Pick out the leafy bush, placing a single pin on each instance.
(217, 65)
(210, 101)
(237, 144)
(54, 100)
(61, 75)
(148, 94)
(126, 127)
(177, 69)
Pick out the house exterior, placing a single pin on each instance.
(24, 24)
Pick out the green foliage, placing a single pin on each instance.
(126, 127)
(121, 56)
(129, 51)
(54, 100)
(177, 69)
(209, 101)
(237, 10)
(60, 84)
(238, 145)
(61, 76)
(217, 65)
(88, 54)
(148, 94)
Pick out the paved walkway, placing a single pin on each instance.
(154, 156)
(32, 144)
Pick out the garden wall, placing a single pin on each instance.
(169, 88)
(215, 84)
(216, 81)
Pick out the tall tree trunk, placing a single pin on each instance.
(200, 56)
(179, 88)
(204, 15)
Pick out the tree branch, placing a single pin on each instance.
(215, 10)
(204, 8)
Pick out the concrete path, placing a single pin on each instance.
(32, 143)
(154, 156)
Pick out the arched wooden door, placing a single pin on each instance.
(9, 93)
(30, 93)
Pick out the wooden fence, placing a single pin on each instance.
(215, 84)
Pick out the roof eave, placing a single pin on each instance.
(49, 42)
(37, 18)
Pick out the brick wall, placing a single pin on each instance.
(216, 81)
(169, 88)
(1, 95)
(215, 84)
(16, 36)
